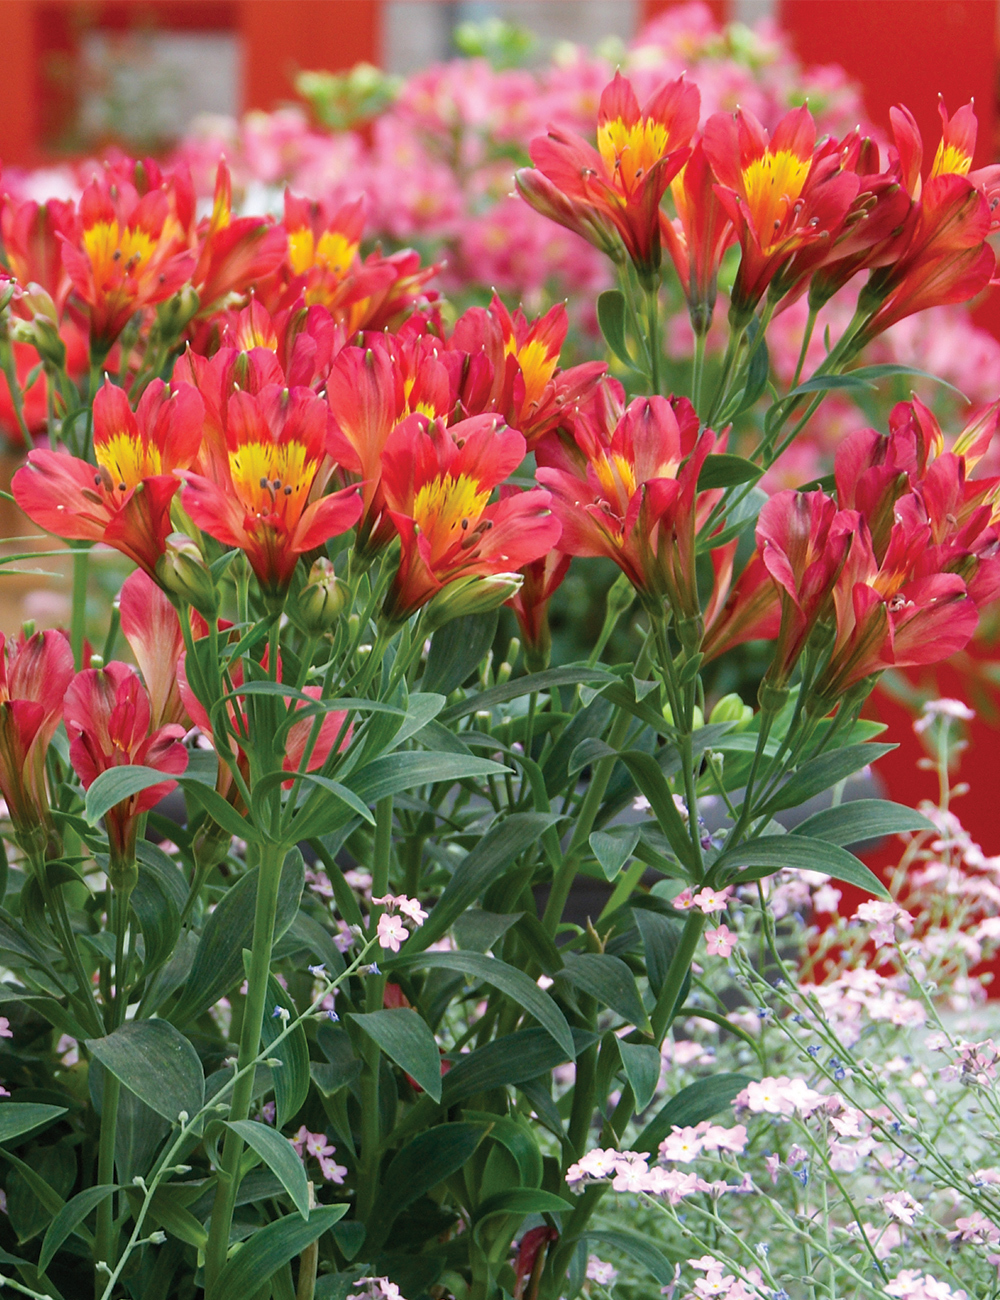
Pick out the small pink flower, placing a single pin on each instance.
(720, 942)
(5, 1029)
(717, 1138)
(682, 1146)
(331, 1171)
(710, 901)
(391, 932)
(902, 1207)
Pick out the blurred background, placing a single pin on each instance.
(425, 107)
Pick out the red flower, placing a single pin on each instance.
(32, 247)
(108, 719)
(699, 236)
(128, 253)
(437, 484)
(232, 255)
(125, 500)
(152, 628)
(542, 578)
(782, 194)
(266, 497)
(34, 674)
(634, 498)
(638, 152)
(748, 611)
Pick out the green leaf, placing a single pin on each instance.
(820, 773)
(864, 377)
(280, 1157)
(612, 849)
(419, 1167)
(648, 776)
(725, 470)
(757, 373)
(522, 1200)
(157, 1063)
(478, 931)
(218, 962)
(349, 1236)
(221, 812)
(642, 1064)
(772, 852)
(116, 784)
(404, 1037)
(608, 980)
(335, 788)
(637, 1247)
(520, 988)
(421, 708)
(483, 864)
(270, 1249)
(528, 685)
(457, 650)
(159, 919)
(510, 1060)
(862, 819)
(291, 1078)
(19, 1117)
(69, 1219)
(660, 936)
(393, 773)
(611, 318)
(518, 1137)
(698, 1101)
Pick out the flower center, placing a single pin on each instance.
(950, 161)
(126, 461)
(630, 151)
(272, 480)
(111, 249)
(447, 511)
(772, 185)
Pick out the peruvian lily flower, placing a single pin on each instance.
(531, 604)
(232, 254)
(749, 610)
(31, 243)
(123, 501)
(698, 237)
(639, 151)
(34, 675)
(781, 193)
(635, 497)
(266, 499)
(803, 540)
(109, 721)
(438, 483)
(129, 252)
(152, 628)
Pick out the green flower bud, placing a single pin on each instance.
(732, 709)
(697, 717)
(182, 571)
(176, 313)
(321, 601)
(471, 596)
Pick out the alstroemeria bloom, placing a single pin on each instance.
(232, 254)
(438, 483)
(108, 719)
(781, 193)
(531, 604)
(129, 253)
(34, 674)
(267, 499)
(635, 498)
(152, 628)
(699, 236)
(639, 151)
(125, 499)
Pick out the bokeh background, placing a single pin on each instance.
(426, 106)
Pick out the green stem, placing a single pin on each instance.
(371, 1131)
(105, 1237)
(806, 340)
(271, 858)
(677, 972)
(697, 371)
(78, 617)
(653, 333)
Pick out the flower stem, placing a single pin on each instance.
(677, 972)
(78, 617)
(371, 1132)
(105, 1237)
(697, 372)
(271, 857)
(653, 334)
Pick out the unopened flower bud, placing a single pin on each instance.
(182, 571)
(321, 601)
(697, 717)
(731, 709)
(471, 596)
(174, 314)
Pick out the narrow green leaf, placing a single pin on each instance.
(418, 1168)
(421, 708)
(725, 470)
(637, 1247)
(19, 1117)
(394, 773)
(862, 819)
(522, 990)
(820, 773)
(772, 852)
(513, 1059)
(116, 784)
(157, 1063)
(478, 931)
(612, 849)
(271, 1248)
(457, 650)
(864, 377)
(481, 866)
(220, 811)
(611, 318)
(533, 683)
(642, 1064)
(291, 1078)
(404, 1037)
(280, 1157)
(159, 919)
(518, 1137)
(610, 981)
(698, 1101)
(522, 1200)
(69, 1219)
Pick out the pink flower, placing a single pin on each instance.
(711, 900)
(902, 1207)
(631, 1172)
(720, 942)
(717, 1138)
(331, 1171)
(682, 1146)
(884, 917)
(5, 1029)
(391, 932)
